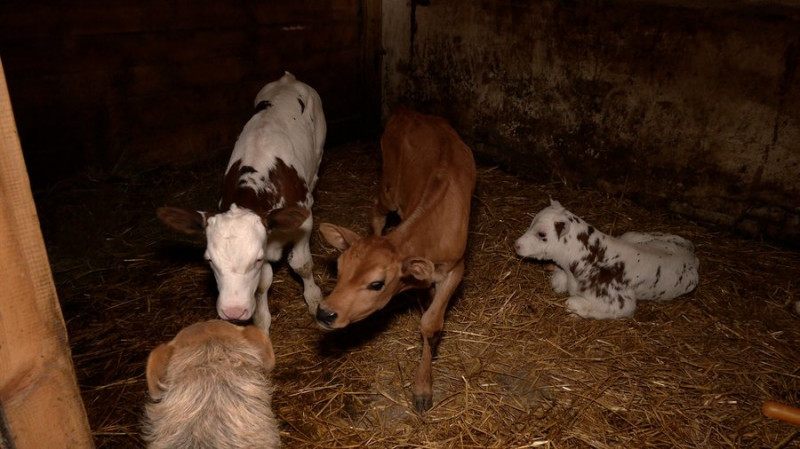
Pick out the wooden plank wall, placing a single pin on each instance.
(133, 83)
(40, 406)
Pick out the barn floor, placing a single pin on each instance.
(513, 370)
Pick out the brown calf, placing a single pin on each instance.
(428, 179)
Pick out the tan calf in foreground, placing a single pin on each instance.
(428, 179)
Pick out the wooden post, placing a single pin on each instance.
(371, 64)
(40, 406)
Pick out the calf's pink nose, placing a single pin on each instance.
(235, 313)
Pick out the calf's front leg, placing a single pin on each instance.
(617, 304)
(301, 262)
(559, 280)
(262, 318)
(379, 213)
(431, 325)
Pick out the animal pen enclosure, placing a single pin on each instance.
(513, 369)
(640, 115)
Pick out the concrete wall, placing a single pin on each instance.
(690, 105)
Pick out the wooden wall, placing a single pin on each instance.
(125, 85)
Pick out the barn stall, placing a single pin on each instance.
(666, 116)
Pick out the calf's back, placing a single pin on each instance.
(428, 177)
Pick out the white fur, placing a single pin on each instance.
(603, 275)
(240, 249)
(282, 131)
(235, 251)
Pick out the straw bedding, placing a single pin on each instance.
(512, 371)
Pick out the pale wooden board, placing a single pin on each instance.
(38, 392)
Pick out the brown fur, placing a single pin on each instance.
(428, 179)
(283, 181)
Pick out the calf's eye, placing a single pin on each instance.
(377, 285)
(542, 236)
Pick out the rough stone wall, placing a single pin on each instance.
(691, 105)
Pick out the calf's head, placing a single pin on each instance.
(545, 236)
(236, 245)
(370, 272)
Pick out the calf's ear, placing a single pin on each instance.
(561, 227)
(257, 337)
(188, 221)
(157, 368)
(419, 268)
(287, 218)
(339, 237)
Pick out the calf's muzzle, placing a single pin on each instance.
(325, 317)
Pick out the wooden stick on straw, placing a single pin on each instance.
(782, 412)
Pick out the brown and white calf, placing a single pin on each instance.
(266, 202)
(428, 180)
(604, 275)
(210, 387)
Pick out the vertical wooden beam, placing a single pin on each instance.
(371, 57)
(39, 397)
(395, 53)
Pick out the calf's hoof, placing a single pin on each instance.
(423, 402)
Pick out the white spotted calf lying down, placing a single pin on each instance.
(605, 276)
(210, 388)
